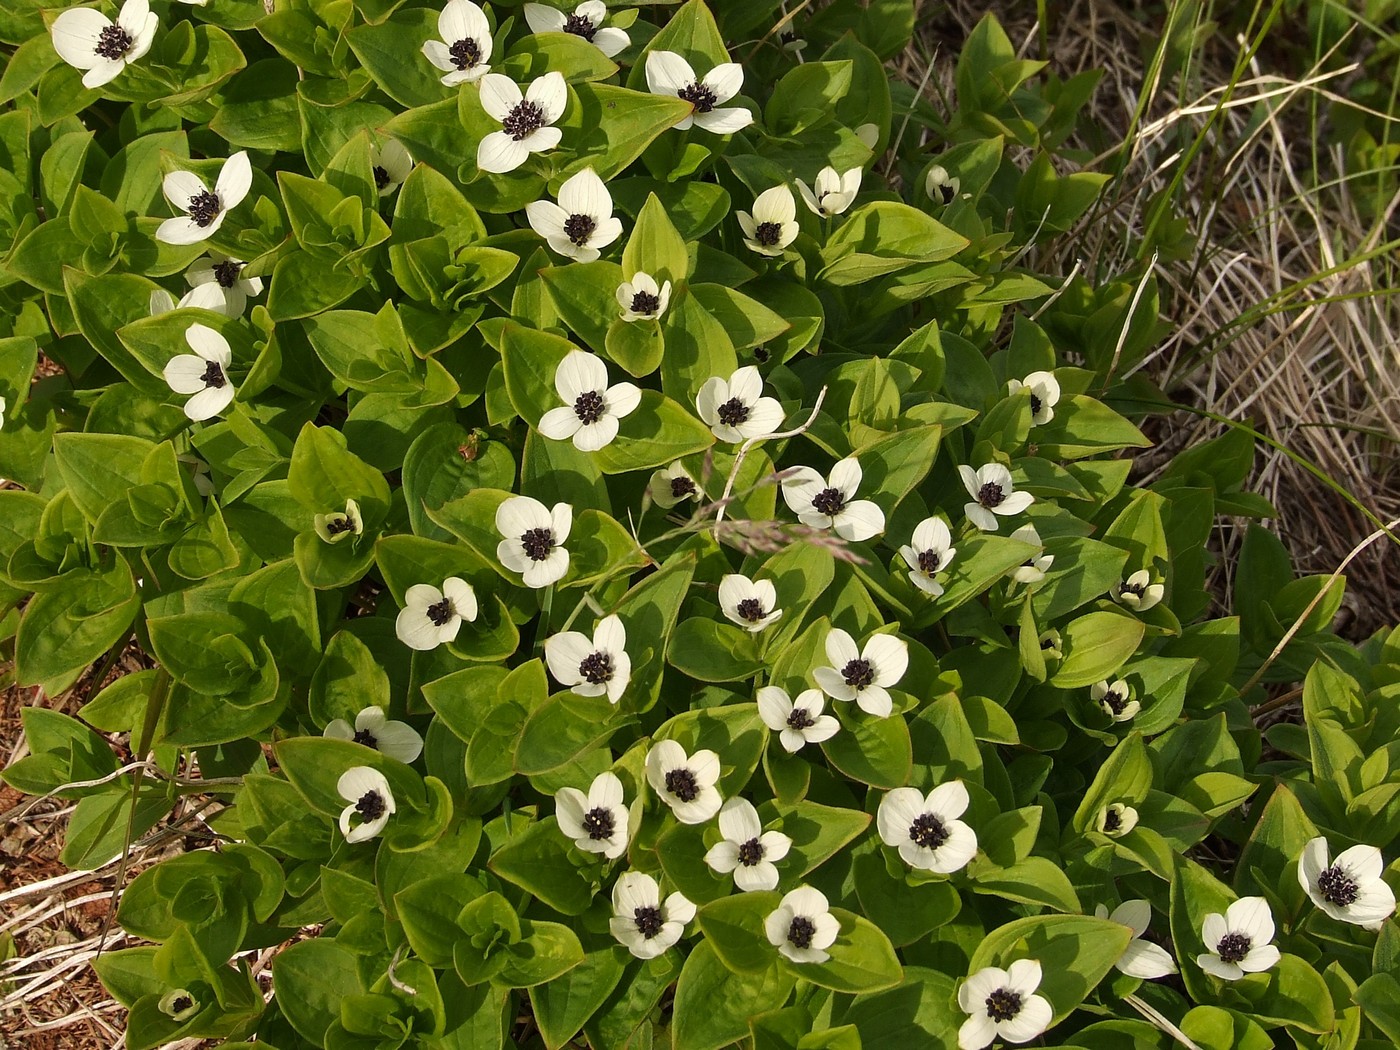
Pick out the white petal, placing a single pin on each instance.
(726, 80)
(1033, 1018)
(498, 153)
(723, 856)
(542, 19)
(1251, 917)
(184, 373)
(859, 520)
(499, 95)
(896, 815)
(183, 230)
(180, 187)
(563, 653)
(585, 194)
(725, 121)
(889, 656)
(416, 630)
(611, 41)
(667, 73)
(209, 402)
(398, 741)
(235, 180)
(75, 33)
(1145, 960)
(738, 821)
(1023, 976)
(1218, 967)
(551, 94)
(773, 707)
(947, 801)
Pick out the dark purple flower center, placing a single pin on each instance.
(858, 674)
(990, 495)
(338, 524)
(525, 119)
(1114, 701)
(598, 823)
(204, 208)
(1233, 947)
(768, 233)
(682, 487)
(648, 920)
(733, 412)
(537, 543)
(750, 853)
(596, 668)
(370, 806)
(580, 26)
(1135, 589)
(589, 406)
(699, 96)
(381, 177)
(364, 736)
(578, 228)
(928, 831)
(1112, 820)
(181, 1003)
(441, 612)
(800, 718)
(465, 53)
(1337, 887)
(645, 303)
(750, 609)
(829, 501)
(929, 562)
(1035, 405)
(226, 272)
(213, 375)
(1003, 1004)
(801, 931)
(113, 42)
(681, 783)
(945, 192)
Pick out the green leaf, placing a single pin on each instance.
(1075, 953)
(1095, 646)
(655, 247)
(311, 981)
(562, 1007)
(713, 1004)
(541, 861)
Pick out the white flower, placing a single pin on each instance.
(752, 604)
(582, 222)
(597, 666)
(1002, 1003)
(1045, 394)
(1140, 958)
(430, 616)
(773, 224)
(992, 494)
(1238, 941)
(1116, 699)
(89, 40)
(178, 1005)
(827, 503)
(1116, 820)
(526, 120)
(337, 525)
(929, 551)
(746, 849)
(669, 74)
(802, 926)
(203, 373)
(1138, 592)
(465, 47)
(833, 192)
(1050, 642)
(534, 539)
(204, 208)
(391, 164)
(373, 728)
(736, 410)
(686, 783)
(597, 822)
(926, 829)
(199, 474)
(220, 278)
(1034, 568)
(641, 299)
(641, 922)
(940, 187)
(670, 485)
(370, 800)
(586, 21)
(797, 722)
(863, 675)
(591, 407)
(1350, 889)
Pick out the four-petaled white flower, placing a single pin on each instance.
(534, 539)
(217, 283)
(586, 21)
(337, 525)
(641, 299)
(1115, 698)
(940, 187)
(597, 666)
(746, 849)
(582, 222)
(1034, 568)
(90, 41)
(684, 782)
(1116, 820)
(591, 407)
(1350, 889)
(371, 803)
(752, 604)
(1238, 942)
(1140, 958)
(929, 551)
(204, 208)
(833, 192)
(178, 1004)
(797, 722)
(465, 47)
(992, 494)
(670, 485)
(430, 616)
(642, 922)
(203, 373)
(597, 821)
(826, 503)
(802, 927)
(1138, 592)
(526, 120)
(1050, 644)
(390, 164)
(926, 829)
(670, 74)
(863, 675)
(1045, 394)
(773, 224)
(736, 410)
(1002, 1003)
(373, 728)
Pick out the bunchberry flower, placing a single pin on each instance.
(863, 675)
(1116, 820)
(1116, 699)
(371, 803)
(1045, 394)
(204, 208)
(832, 193)
(992, 494)
(736, 410)
(1034, 568)
(671, 485)
(827, 503)
(178, 1004)
(1003, 1004)
(802, 927)
(373, 728)
(597, 821)
(218, 280)
(338, 525)
(586, 21)
(390, 164)
(929, 551)
(942, 189)
(1051, 644)
(203, 373)
(90, 41)
(591, 408)
(926, 829)
(1350, 889)
(464, 51)
(746, 849)
(1237, 942)
(684, 782)
(430, 617)
(797, 722)
(597, 666)
(582, 222)
(1138, 592)
(1140, 958)
(642, 922)
(534, 539)
(752, 604)
(526, 120)
(773, 224)
(641, 299)
(670, 74)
